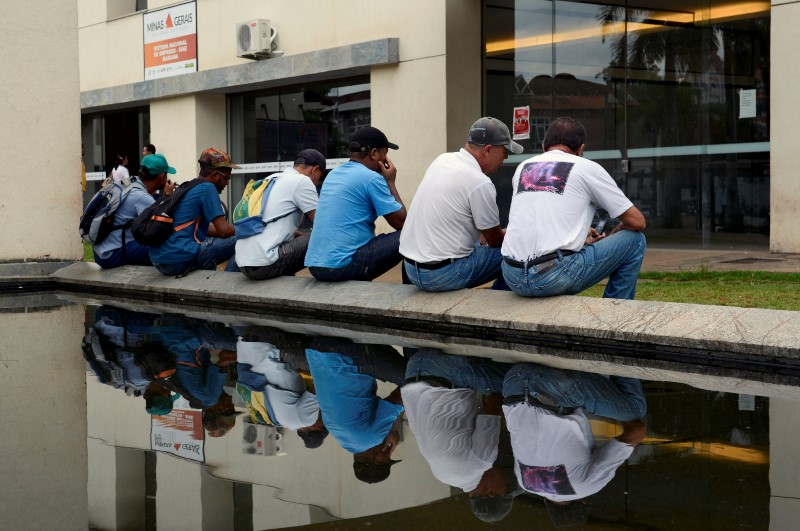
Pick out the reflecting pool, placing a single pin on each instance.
(125, 416)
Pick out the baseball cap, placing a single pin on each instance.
(311, 157)
(369, 137)
(488, 131)
(213, 158)
(160, 404)
(157, 164)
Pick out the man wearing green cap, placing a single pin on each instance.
(119, 248)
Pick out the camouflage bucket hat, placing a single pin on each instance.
(212, 159)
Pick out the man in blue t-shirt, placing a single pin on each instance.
(343, 244)
(119, 248)
(209, 240)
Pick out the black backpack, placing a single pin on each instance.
(155, 224)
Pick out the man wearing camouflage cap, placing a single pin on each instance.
(208, 239)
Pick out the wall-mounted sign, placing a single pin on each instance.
(179, 433)
(170, 41)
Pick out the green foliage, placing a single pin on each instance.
(745, 289)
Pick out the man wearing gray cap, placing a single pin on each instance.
(280, 249)
(454, 208)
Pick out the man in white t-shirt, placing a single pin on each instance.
(555, 455)
(455, 205)
(549, 248)
(280, 249)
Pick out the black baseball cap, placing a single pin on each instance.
(369, 137)
(310, 157)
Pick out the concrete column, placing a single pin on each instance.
(784, 431)
(784, 194)
(41, 176)
(182, 127)
(43, 382)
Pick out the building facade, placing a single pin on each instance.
(676, 98)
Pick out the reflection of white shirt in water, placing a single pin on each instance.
(121, 175)
(458, 443)
(554, 455)
(293, 405)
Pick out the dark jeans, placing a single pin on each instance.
(133, 254)
(379, 361)
(465, 372)
(369, 262)
(291, 256)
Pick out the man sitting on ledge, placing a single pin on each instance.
(343, 244)
(546, 250)
(210, 239)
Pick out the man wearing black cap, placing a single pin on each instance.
(343, 244)
(280, 249)
(454, 207)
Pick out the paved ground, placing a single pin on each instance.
(689, 260)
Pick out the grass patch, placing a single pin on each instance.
(746, 289)
(88, 254)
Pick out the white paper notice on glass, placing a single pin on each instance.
(747, 103)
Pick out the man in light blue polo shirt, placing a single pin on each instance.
(343, 244)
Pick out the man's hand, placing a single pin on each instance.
(169, 188)
(390, 442)
(633, 432)
(387, 170)
(594, 236)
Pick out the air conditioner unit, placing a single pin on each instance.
(255, 39)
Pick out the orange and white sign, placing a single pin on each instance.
(179, 433)
(170, 41)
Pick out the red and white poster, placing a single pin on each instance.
(170, 41)
(179, 433)
(522, 123)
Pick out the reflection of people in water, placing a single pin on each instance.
(109, 348)
(363, 423)
(554, 449)
(268, 363)
(453, 405)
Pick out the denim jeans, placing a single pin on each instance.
(213, 251)
(480, 267)
(382, 362)
(465, 372)
(369, 262)
(134, 254)
(615, 397)
(290, 260)
(618, 257)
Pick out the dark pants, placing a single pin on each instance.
(134, 253)
(291, 256)
(369, 262)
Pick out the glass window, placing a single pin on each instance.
(660, 86)
(271, 127)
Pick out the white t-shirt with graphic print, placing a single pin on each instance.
(554, 199)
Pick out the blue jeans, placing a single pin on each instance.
(465, 372)
(480, 267)
(369, 262)
(616, 397)
(618, 257)
(213, 251)
(133, 254)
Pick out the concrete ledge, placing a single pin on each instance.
(636, 332)
(342, 61)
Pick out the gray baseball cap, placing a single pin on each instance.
(488, 131)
